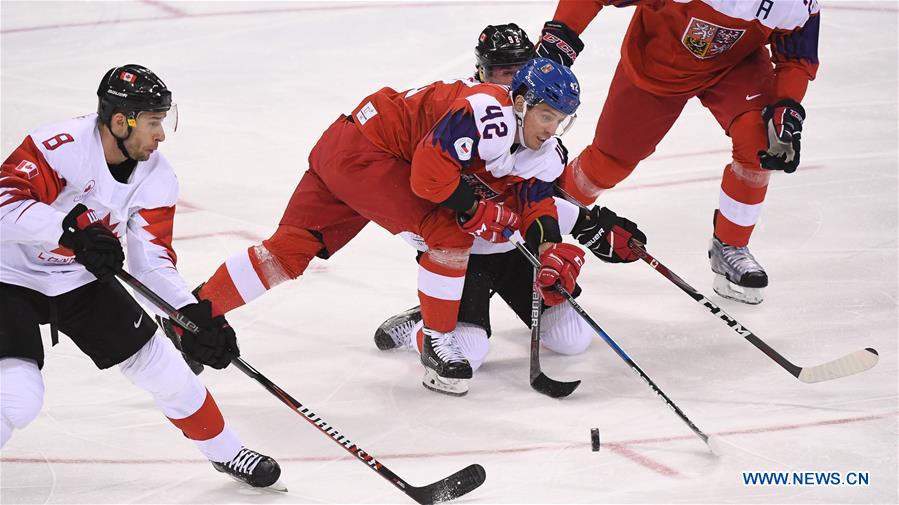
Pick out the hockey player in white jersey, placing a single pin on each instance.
(68, 194)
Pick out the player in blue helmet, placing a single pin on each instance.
(543, 81)
(546, 96)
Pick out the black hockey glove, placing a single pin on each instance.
(95, 246)
(783, 121)
(215, 344)
(607, 235)
(559, 43)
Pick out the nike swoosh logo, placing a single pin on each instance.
(137, 323)
(752, 97)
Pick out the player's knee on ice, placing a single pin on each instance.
(22, 395)
(472, 339)
(563, 331)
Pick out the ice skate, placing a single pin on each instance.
(738, 275)
(396, 332)
(250, 467)
(452, 387)
(445, 366)
(168, 328)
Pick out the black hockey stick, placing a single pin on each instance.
(851, 364)
(605, 336)
(449, 488)
(539, 381)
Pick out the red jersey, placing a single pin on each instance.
(677, 47)
(463, 132)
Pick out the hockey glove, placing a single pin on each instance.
(559, 43)
(215, 344)
(783, 121)
(95, 246)
(607, 235)
(560, 262)
(488, 221)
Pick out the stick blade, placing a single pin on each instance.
(553, 388)
(458, 484)
(850, 364)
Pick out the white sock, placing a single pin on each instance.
(563, 331)
(21, 395)
(472, 339)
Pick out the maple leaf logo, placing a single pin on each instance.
(106, 221)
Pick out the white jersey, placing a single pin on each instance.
(61, 165)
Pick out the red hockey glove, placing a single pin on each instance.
(607, 235)
(489, 221)
(560, 262)
(783, 122)
(559, 43)
(95, 246)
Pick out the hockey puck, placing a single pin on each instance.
(594, 439)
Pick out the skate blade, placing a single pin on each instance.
(278, 486)
(451, 387)
(729, 290)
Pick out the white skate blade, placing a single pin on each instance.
(727, 289)
(452, 387)
(278, 486)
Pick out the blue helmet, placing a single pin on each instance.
(550, 82)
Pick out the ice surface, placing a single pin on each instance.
(258, 82)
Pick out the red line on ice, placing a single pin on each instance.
(622, 448)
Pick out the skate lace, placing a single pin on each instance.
(740, 259)
(444, 345)
(402, 333)
(245, 461)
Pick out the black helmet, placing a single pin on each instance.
(503, 45)
(131, 89)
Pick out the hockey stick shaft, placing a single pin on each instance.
(741, 330)
(540, 382)
(536, 314)
(850, 364)
(182, 320)
(856, 362)
(618, 350)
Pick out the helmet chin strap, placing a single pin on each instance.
(519, 118)
(120, 141)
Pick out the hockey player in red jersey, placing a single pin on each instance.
(499, 268)
(450, 161)
(717, 51)
(67, 195)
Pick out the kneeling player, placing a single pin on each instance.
(494, 268)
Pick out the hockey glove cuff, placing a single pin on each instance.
(559, 43)
(606, 234)
(562, 263)
(95, 246)
(783, 122)
(489, 220)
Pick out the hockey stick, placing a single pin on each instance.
(539, 381)
(618, 350)
(449, 488)
(851, 364)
